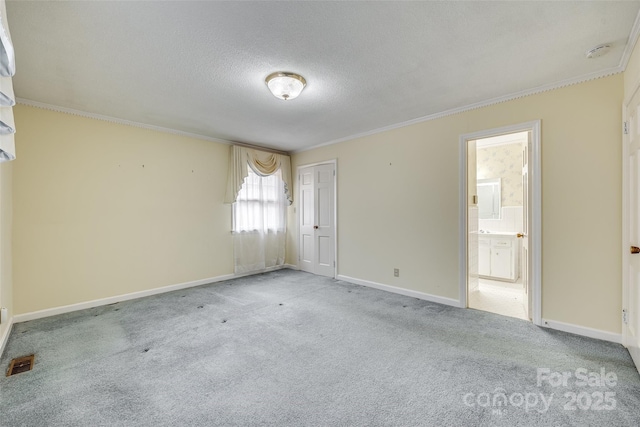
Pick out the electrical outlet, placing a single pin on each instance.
(396, 272)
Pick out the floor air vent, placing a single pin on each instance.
(20, 364)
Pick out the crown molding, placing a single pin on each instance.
(119, 121)
(622, 66)
(626, 55)
(535, 91)
(493, 101)
(631, 43)
(446, 113)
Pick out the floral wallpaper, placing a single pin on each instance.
(503, 161)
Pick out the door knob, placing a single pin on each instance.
(635, 250)
(315, 227)
(519, 235)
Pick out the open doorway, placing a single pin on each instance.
(498, 286)
(500, 217)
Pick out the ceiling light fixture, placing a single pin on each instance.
(285, 85)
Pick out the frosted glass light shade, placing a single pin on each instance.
(285, 85)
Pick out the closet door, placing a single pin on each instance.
(317, 222)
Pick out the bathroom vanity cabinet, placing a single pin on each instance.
(498, 256)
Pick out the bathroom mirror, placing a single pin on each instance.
(489, 198)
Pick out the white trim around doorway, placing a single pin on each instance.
(535, 207)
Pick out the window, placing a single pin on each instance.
(259, 223)
(261, 204)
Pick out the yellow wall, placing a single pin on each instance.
(398, 200)
(6, 283)
(91, 222)
(102, 209)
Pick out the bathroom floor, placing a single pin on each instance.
(498, 297)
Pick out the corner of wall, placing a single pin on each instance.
(6, 278)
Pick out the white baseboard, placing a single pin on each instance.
(401, 291)
(5, 337)
(582, 330)
(552, 324)
(114, 299)
(254, 272)
(125, 297)
(25, 317)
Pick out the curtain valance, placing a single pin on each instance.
(7, 98)
(7, 56)
(262, 163)
(7, 148)
(7, 124)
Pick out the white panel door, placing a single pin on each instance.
(307, 220)
(631, 230)
(317, 222)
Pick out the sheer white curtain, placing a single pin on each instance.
(259, 222)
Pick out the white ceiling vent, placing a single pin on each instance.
(598, 51)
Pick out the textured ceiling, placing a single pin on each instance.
(199, 67)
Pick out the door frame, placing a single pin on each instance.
(535, 211)
(626, 241)
(334, 162)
